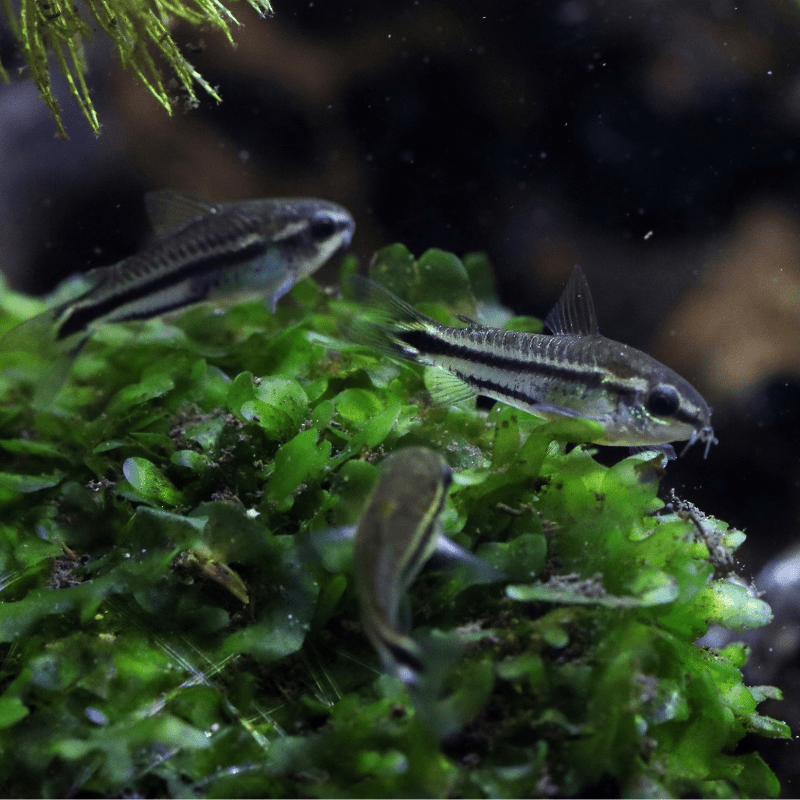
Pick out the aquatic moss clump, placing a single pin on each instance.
(174, 620)
(45, 29)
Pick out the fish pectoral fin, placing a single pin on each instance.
(551, 411)
(168, 210)
(666, 450)
(573, 314)
(445, 388)
(474, 569)
(270, 301)
(331, 547)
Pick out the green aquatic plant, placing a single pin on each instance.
(57, 28)
(175, 622)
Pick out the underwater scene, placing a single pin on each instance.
(399, 400)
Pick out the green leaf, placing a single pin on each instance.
(193, 629)
(148, 483)
(150, 387)
(438, 277)
(28, 483)
(297, 462)
(11, 711)
(356, 406)
(733, 606)
(278, 405)
(372, 433)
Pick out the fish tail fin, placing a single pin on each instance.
(50, 385)
(384, 320)
(400, 654)
(53, 360)
(34, 335)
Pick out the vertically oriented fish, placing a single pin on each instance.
(575, 372)
(224, 252)
(398, 532)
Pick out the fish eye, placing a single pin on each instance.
(322, 227)
(663, 400)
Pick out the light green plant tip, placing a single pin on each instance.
(45, 28)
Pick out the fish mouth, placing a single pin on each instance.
(706, 435)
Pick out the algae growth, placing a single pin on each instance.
(171, 625)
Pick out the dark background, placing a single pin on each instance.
(655, 143)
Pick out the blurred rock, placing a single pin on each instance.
(743, 317)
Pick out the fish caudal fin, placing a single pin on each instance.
(382, 325)
(52, 359)
(34, 335)
(400, 654)
(385, 316)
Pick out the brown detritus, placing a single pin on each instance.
(719, 555)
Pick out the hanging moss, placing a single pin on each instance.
(56, 28)
(174, 620)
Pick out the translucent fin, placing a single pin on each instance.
(384, 315)
(385, 307)
(474, 569)
(573, 314)
(445, 388)
(53, 358)
(550, 411)
(285, 285)
(331, 547)
(168, 210)
(34, 335)
(378, 337)
(666, 450)
(51, 384)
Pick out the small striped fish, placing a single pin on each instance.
(575, 372)
(395, 536)
(222, 252)
(399, 531)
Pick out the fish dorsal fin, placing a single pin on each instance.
(168, 210)
(573, 314)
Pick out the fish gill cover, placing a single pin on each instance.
(169, 626)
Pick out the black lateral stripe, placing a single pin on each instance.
(424, 541)
(83, 316)
(481, 384)
(404, 656)
(430, 344)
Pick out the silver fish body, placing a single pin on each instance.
(223, 252)
(575, 372)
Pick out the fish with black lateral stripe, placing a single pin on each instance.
(220, 252)
(575, 372)
(398, 532)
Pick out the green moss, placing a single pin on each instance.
(45, 28)
(175, 621)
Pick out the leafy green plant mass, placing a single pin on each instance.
(176, 619)
(56, 28)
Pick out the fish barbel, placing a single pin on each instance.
(575, 372)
